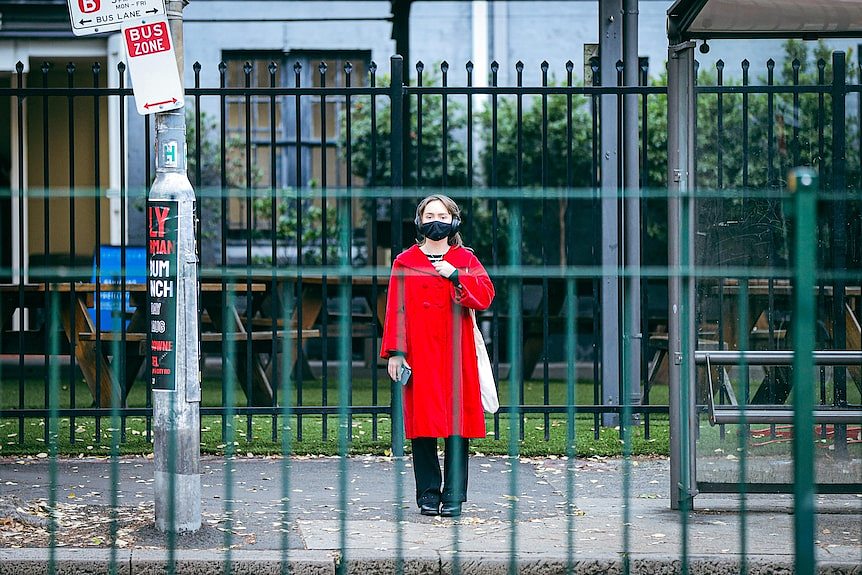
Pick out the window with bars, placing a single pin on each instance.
(264, 128)
(323, 160)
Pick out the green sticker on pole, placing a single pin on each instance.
(162, 282)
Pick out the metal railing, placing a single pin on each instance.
(248, 221)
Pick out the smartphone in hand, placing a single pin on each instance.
(404, 377)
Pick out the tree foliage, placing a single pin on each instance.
(749, 142)
(371, 151)
(745, 143)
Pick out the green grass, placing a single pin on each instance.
(312, 393)
(313, 440)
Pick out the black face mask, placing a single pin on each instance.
(436, 230)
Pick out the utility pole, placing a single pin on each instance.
(172, 265)
(631, 175)
(610, 51)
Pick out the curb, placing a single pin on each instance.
(34, 561)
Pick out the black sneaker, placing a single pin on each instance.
(429, 509)
(450, 510)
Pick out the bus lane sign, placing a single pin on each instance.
(97, 16)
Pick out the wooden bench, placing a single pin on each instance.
(256, 337)
(533, 303)
(259, 389)
(333, 328)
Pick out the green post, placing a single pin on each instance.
(398, 154)
(803, 186)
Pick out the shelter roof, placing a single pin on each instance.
(807, 19)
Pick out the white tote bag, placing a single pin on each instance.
(487, 387)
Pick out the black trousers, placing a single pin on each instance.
(431, 486)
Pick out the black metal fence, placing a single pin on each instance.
(297, 157)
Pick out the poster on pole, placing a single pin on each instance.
(97, 16)
(152, 65)
(162, 274)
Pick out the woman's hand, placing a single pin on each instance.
(444, 268)
(396, 362)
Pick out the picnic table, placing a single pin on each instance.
(94, 347)
(763, 293)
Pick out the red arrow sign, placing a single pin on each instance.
(171, 101)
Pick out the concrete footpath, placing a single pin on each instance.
(514, 505)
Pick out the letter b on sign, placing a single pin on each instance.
(89, 6)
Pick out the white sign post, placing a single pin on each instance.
(152, 66)
(97, 16)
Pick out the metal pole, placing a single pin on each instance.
(396, 144)
(610, 51)
(839, 237)
(176, 390)
(681, 298)
(401, 35)
(803, 184)
(631, 172)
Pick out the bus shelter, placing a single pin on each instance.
(715, 396)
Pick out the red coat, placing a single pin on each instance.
(427, 319)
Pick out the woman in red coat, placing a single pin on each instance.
(428, 329)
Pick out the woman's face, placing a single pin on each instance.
(435, 211)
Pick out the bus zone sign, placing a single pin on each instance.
(97, 16)
(153, 66)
